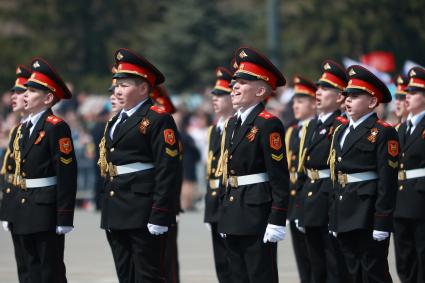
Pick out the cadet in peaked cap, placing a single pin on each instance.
(364, 164)
(162, 99)
(409, 228)
(333, 76)
(401, 112)
(253, 146)
(46, 176)
(141, 157)
(22, 75)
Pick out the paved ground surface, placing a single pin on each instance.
(89, 260)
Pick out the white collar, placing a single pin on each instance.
(220, 123)
(132, 110)
(361, 120)
(417, 118)
(35, 117)
(324, 117)
(305, 121)
(243, 115)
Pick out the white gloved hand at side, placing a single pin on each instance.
(274, 233)
(5, 225)
(62, 230)
(380, 235)
(157, 229)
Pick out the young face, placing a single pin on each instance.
(18, 103)
(304, 107)
(401, 107)
(116, 105)
(328, 99)
(36, 100)
(359, 104)
(415, 102)
(130, 92)
(222, 104)
(247, 93)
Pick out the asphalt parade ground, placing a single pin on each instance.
(89, 260)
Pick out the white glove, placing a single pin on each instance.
(274, 233)
(380, 235)
(301, 229)
(223, 235)
(63, 229)
(157, 229)
(335, 234)
(208, 226)
(5, 226)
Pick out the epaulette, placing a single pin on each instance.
(383, 123)
(342, 120)
(158, 109)
(266, 115)
(53, 119)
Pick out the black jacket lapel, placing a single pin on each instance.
(416, 133)
(359, 132)
(38, 127)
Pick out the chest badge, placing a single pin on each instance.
(144, 124)
(373, 135)
(40, 137)
(252, 133)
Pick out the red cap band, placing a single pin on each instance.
(259, 72)
(128, 68)
(333, 80)
(359, 84)
(47, 82)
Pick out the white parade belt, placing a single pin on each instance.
(236, 181)
(39, 182)
(315, 174)
(411, 174)
(344, 179)
(115, 170)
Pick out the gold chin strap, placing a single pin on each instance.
(17, 157)
(102, 162)
(223, 160)
(6, 155)
(332, 155)
(302, 151)
(210, 153)
(287, 141)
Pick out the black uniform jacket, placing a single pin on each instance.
(258, 147)
(315, 194)
(48, 152)
(411, 193)
(132, 200)
(368, 204)
(213, 194)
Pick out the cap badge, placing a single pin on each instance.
(36, 64)
(412, 73)
(351, 72)
(119, 56)
(327, 66)
(242, 54)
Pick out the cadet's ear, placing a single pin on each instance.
(373, 102)
(49, 98)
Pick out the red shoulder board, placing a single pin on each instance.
(342, 120)
(266, 115)
(53, 119)
(383, 123)
(158, 109)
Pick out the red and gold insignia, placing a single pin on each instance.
(373, 135)
(393, 148)
(251, 135)
(53, 119)
(331, 131)
(144, 124)
(383, 123)
(65, 145)
(169, 136)
(40, 137)
(342, 120)
(158, 109)
(275, 141)
(265, 115)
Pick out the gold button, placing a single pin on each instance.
(293, 192)
(308, 158)
(310, 194)
(213, 158)
(111, 193)
(401, 165)
(11, 155)
(401, 188)
(23, 174)
(340, 197)
(214, 194)
(7, 190)
(112, 149)
(402, 154)
(232, 172)
(293, 169)
(24, 160)
(213, 170)
(293, 157)
(9, 167)
(312, 181)
(339, 158)
(231, 198)
(231, 156)
(23, 200)
(111, 178)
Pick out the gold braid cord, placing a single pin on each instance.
(332, 155)
(303, 151)
(17, 157)
(222, 161)
(287, 141)
(6, 155)
(102, 162)
(210, 153)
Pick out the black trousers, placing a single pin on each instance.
(221, 257)
(301, 254)
(138, 255)
(23, 274)
(42, 255)
(409, 242)
(326, 261)
(171, 264)
(367, 259)
(251, 260)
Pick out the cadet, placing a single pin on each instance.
(253, 211)
(325, 260)
(304, 107)
(409, 215)
(140, 159)
(8, 204)
(47, 176)
(400, 99)
(222, 106)
(364, 163)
